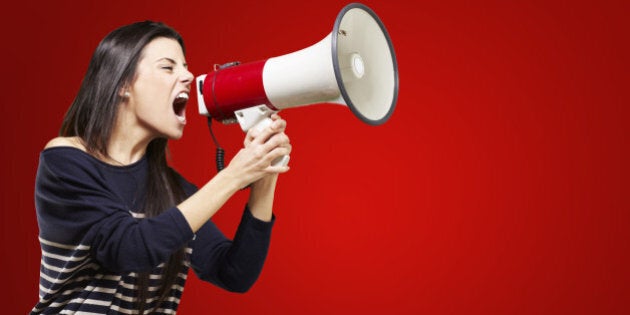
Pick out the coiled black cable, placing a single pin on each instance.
(220, 153)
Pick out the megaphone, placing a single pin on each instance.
(354, 66)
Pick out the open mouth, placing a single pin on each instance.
(179, 106)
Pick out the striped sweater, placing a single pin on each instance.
(95, 242)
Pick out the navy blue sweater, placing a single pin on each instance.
(95, 239)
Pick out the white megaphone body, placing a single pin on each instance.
(354, 66)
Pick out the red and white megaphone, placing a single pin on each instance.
(354, 65)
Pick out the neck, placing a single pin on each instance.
(127, 144)
(125, 153)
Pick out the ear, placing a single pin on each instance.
(124, 93)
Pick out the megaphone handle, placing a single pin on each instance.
(260, 126)
(258, 117)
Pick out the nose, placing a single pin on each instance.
(186, 77)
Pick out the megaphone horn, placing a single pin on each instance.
(354, 65)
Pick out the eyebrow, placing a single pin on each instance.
(172, 61)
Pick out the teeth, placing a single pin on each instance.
(178, 106)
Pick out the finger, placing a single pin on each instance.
(266, 134)
(277, 140)
(278, 169)
(279, 124)
(262, 133)
(278, 152)
(276, 157)
(249, 137)
(289, 147)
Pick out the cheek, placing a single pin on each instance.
(153, 94)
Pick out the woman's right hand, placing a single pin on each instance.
(254, 161)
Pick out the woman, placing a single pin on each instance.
(118, 227)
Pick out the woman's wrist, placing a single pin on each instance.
(268, 182)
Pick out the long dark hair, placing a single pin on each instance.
(92, 115)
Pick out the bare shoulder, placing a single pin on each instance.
(74, 142)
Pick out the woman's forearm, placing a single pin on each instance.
(261, 197)
(203, 204)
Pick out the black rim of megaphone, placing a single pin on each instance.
(342, 88)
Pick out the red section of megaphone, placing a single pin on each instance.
(228, 89)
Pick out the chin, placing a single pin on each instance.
(174, 134)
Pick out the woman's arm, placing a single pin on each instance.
(252, 164)
(261, 197)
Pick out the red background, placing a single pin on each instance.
(499, 185)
